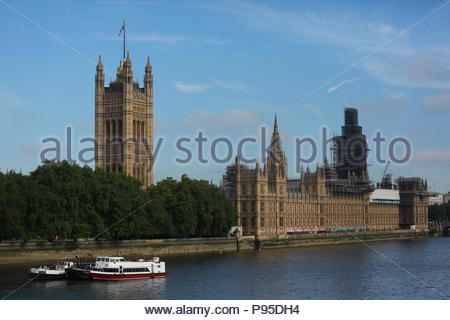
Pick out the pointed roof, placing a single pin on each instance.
(275, 124)
(99, 64)
(276, 159)
(276, 140)
(148, 66)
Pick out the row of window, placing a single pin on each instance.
(106, 269)
(135, 270)
(251, 189)
(110, 259)
(126, 270)
(114, 128)
(252, 207)
(261, 222)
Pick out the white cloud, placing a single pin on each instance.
(185, 87)
(376, 106)
(397, 95)
(9, 100)
(170, 39)
(421, 68)
(438, 104)
(342, 83)
(216, 41)
(345, 29)
(400, 63)
(28, 149)
(228, 119)
(230, 86)
(437, 156)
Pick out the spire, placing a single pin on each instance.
(99, 76)
(148, 66)
(275, 125)
(148, 78)
(125, 72)
(276, 159)
(99, 64)
(127, 61)
(276, 141)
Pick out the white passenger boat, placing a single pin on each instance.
(117, 268)
(55, 272)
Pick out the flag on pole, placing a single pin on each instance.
(122, 28)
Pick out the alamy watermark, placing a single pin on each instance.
(221, 150)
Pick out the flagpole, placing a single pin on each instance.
(124, 39)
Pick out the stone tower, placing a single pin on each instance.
(414, 197)
(351, 148)
(124, 122)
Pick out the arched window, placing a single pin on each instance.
(138, 125)
(107, 129)
(120, 128)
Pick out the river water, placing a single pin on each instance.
(406, 269)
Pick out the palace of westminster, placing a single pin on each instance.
(336, 197)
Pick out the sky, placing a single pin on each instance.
(225, 68)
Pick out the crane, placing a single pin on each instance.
(385, 170)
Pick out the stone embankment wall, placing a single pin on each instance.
(15, 252)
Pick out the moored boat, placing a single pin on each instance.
(117, 268)
(56, 272)
(80, 271)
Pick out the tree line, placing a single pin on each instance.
(60, 200)
(439, 212)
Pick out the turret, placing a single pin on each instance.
(125, 70)
(99, 76)
(276, 160)
(148, 77)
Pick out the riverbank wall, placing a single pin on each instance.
(34, 252)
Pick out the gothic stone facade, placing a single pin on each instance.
(124, 122)
(270, 205)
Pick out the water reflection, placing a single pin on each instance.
(129, 289)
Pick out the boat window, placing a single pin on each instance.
(107, 259)
(135, 270)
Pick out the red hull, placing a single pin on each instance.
(102, 276)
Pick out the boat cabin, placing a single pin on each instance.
(104, 262)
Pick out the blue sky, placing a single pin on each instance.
(226, 67)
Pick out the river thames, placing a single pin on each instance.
(406, 269)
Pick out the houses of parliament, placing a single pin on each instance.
(336, 197)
